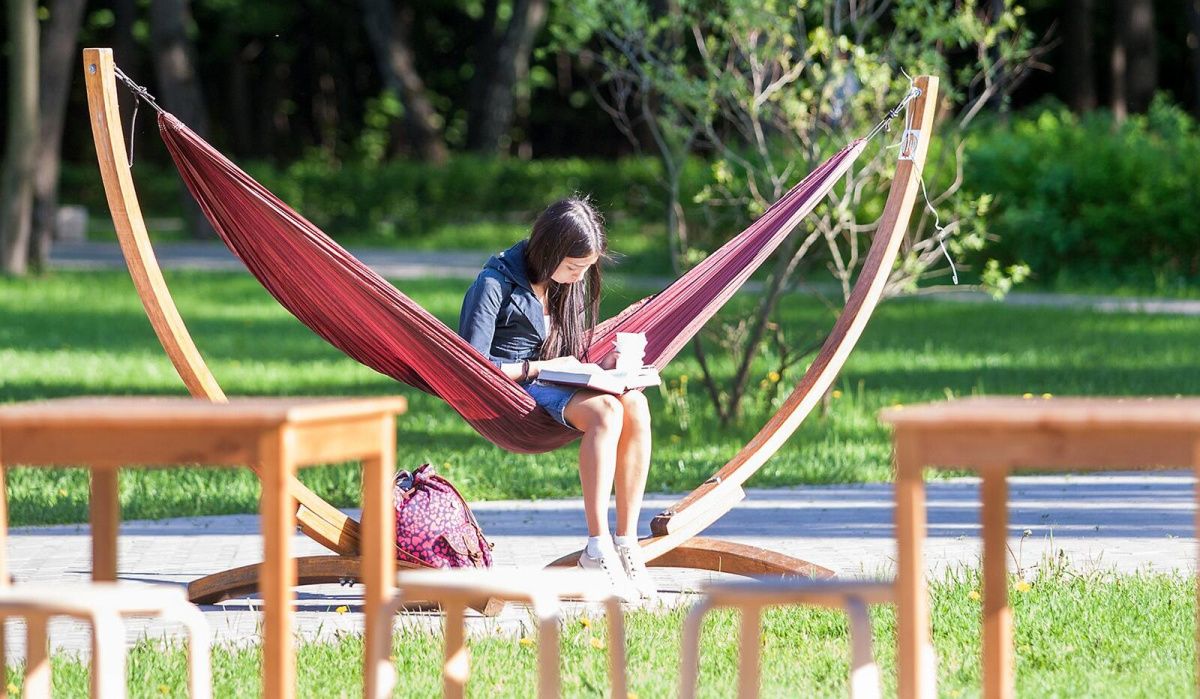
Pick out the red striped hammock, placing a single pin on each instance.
(363, 315)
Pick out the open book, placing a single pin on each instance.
(611, 381)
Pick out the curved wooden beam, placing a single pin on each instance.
(720, 556)
(717, 495)
(100, 78)
(242, 581)
(310, 570)
(318, 519)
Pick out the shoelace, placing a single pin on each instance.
(635, 565)
(608, 569)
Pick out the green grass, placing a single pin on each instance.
(1093, 636)
(85, 333)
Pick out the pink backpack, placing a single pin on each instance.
(434, 526)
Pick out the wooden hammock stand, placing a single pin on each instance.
(674, 541)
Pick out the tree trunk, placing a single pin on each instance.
(1141, 68)
(1078, 75)
(499, 67)
(388, 35)
(1193, 43)
(179, 86)
(58, 63)
(16, 185)
(125, 49)
(1118, 99)
(1134, 57)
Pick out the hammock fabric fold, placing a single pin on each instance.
(364, 316)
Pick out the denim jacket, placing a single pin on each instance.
(501, 317)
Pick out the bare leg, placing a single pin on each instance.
(599, 416)
(633, 461)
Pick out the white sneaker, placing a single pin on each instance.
(634, 563)
(613, 569)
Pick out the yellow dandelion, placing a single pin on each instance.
(163, 689)
(596, 643)
(836, 394)
(585, 622)
(1027, 396)
(1023, 586)
(898, 406)
(683, 378)
(526, 642)
(973, 595)
(13, 689)
(773, 376)
(342, 609)
(1047, 396)
(62, 492)
(446, 465)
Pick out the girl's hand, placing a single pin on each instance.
(567, 362)
(610, 361)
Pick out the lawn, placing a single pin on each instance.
(85, 333)
(1093, 636)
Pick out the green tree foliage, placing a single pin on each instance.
(774, 88)
(1085, 199)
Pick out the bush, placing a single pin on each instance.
(406, 200)
(1086, 200)
(1079, 199)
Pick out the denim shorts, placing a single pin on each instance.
(552, 397)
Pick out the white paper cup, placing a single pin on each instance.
(631, 351)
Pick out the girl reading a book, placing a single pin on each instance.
(534, 307)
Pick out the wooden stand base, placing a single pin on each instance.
(699, 553)
(237, 582)
(310, 570)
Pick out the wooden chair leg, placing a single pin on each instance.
(749, 642)
(997, 617)
(864, 673)
(383, 624)
(689, 671)
(108, 656)
(378, 570)
(618, 675)
(278, 572)
(3, 655)
(199, 653)
(545, 609)
(104, 511)
(37, 657)
(456, 666)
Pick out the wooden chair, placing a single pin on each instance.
(752, 597)
(674, 541)
(457, 589)
(102, 605)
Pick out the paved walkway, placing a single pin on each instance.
(411, 264)
(1123, 522)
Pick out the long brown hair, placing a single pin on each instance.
(568, 228)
